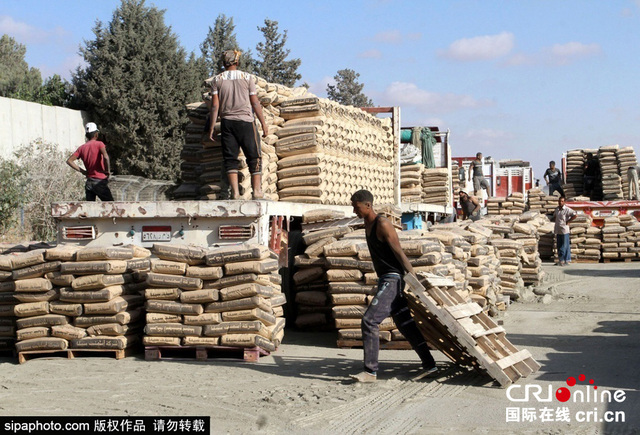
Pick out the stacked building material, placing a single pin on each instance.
(435, 186)
(510, 252)
(411, 182)
(628, 221)
(227, 296)
(626, 159)
(614, 239)
(7, 303)
(574, 177)
(455, 177)
(526, 231)
(456, 242)
(634, 229)
(538, 201)
(610, 173)
(585, 239)
(494, 205)
(513, 204)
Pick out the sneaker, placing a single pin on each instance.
(425, 373)
(365, 377)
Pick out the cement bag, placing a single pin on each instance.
(66, 309)
(344, 248)
(168, 267)
(161, 341)
(45, 343)
(315, 236)
(51, 295)
(89, 296)
(199, 296)
(305, 276)
(352, 287)
(306, 261)
(114, 306)
(349, 311)
(167, 294)
(239, 304)
(62, 253)
(321, 215)
(110, 267)
(313, 298)
(234, 254)
(182, 282)
(205, 272)
(254, 314)
(429, 259)
(233, 280)
(59, 279)
(191, 255)
(203, 319)
(30, 333)
(259, 267)
(123, 318)
(104, 253)
(247, 341)
(171, 307)
(300, 160)
(138, 264)
(68, 332)
(93, 282)
(35, 271)
(200, 341)
(348, 299)
(371, 278)
(245, 291)
(172, 330)
(31, 285)
(163, 318)
(317, 248)
(343, 263)
(26, 259)
(103, 342)
(310, 320)
(313, 180)
(111, 329)
(278, 300)
(248, 327)
(31, 309)
(341, 275)
(276, 329)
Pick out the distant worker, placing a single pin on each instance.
(591, 171)
(553, 177)
(470, 206)
(476, 174)
(98, 166)
(632, 179)
(562, 216)
(390, 264)
(234, 97)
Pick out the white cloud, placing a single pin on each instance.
(26, 33)
(371, 54)
(519, 59)
(565, 53)
(480, 47)
(389, 37)
(410, 95)
(320, 87)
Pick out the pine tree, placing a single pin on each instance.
(219, 39)
(347, 90)
(17, 80)
(135, 85)
(273, 66)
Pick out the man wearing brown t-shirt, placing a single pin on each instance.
(234, 97)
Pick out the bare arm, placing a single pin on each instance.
(213, 115)
(107, 161)
(257, 108)
(386, 232)
(475, 201)
(71, 161)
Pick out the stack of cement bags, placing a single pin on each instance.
(455, 178)
(227, 296)
(610, 172)
(614, 239)
(7, 302)
(628, 222)
(347, 147)
(547, 241)
(435, 186)
(626, 159)
(633, 232)
(512, 205)
(510, 253)
(574, 177)
(457, 250)
(411, 182)
(586, 240)
(538, 201)
(526, 231)
(494, 205)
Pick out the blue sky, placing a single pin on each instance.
(515, 79)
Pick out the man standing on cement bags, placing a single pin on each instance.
(553, 177)
(470, 206)
(98, 166)
(563, 216)
(390, 264)
(476, 174)
(632, 179)
(234, 96)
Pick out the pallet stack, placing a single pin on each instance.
(574, 177)
(614, 239)
(610, 173)
(411, 182)
(435, 186)
(626, 159)
(224, 297)
(538, 201)
(7, 303)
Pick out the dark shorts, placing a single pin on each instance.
(237, 135)
(95, 187)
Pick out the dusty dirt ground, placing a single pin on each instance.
(592, 328)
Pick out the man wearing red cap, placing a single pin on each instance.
(96, 161)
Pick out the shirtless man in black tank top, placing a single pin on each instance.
(390, 264)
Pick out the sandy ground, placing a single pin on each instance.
(592, 328)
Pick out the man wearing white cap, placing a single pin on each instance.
(96, 161)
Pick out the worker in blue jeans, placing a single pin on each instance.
(390, 264)
(563, 216)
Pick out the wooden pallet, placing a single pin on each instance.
(25, 356)
(582, 260)
(618, 260)
(389, 345)
(463, 332)
(203, 353)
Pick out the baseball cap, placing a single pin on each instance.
(91, 127)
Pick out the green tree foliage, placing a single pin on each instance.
(54, 92)
(348, 90)
(135, 85)
(17, 80)
(220, 38)
(272, 64)
(11, 193)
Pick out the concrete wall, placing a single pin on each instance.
(21, 122)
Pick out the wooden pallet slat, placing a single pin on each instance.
(27, 355)
(203, 353)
